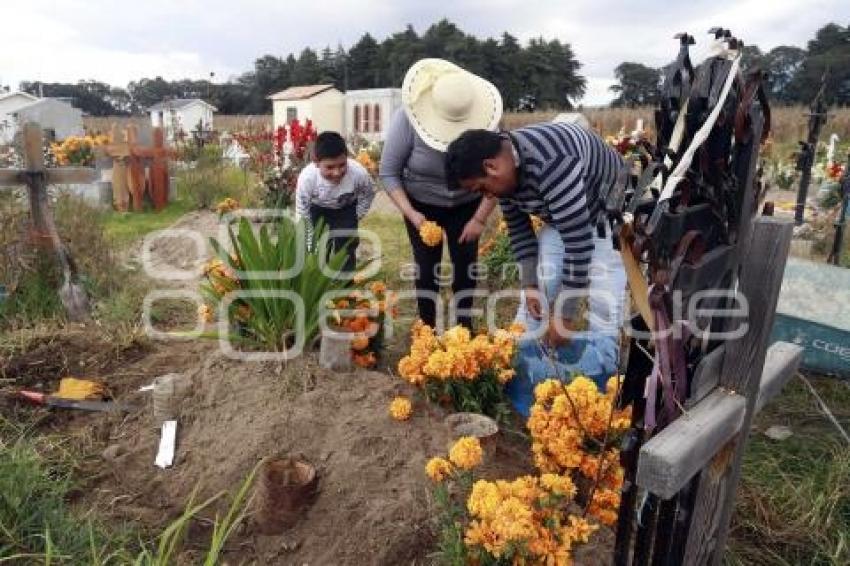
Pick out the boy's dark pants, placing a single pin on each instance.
(344, 218)
(427, 258)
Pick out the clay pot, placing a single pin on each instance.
(168, 393)
(285, 488)
(482, 427)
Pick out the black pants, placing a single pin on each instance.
(344, 218)
(427, 258)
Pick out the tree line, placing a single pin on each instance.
(544, 69)
(793, 74)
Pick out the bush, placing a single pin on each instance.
(208, 179)
(263, 320)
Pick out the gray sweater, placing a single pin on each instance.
(408, 163)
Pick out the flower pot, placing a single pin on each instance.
(482, 427)
(285, 488)
(335, 351)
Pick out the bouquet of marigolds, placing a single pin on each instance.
(77, 150)
(529, 520)
(575, 429)
(363, 312)
(465, 371)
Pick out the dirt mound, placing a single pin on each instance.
(373, 501)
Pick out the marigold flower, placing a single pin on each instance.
(378, 287)
(206, 313)
(431, 233)
(360, 343)
(438, 469)
(401, 408)
(466, 453)
(558, 484)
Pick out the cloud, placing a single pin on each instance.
(107, 41)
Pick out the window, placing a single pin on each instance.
(366, 119)
(356, 117)
(376, 119)
(291, 114)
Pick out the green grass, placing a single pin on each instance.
(793, 504)
(124, 228)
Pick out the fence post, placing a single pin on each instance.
(762, 268)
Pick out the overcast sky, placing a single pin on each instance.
(116, 42)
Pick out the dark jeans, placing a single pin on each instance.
(344, 218)
(427, 258)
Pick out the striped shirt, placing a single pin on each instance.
(356, 188)
(562, 170)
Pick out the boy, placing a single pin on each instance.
(335, 189)
(558, 172)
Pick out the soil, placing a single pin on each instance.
(374, 502)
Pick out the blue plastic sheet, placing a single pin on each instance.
(594, 357)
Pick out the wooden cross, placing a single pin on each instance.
(706, 445)
(159, 179)
(128, 173)
(36, 177)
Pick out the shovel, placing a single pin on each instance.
(58, 402)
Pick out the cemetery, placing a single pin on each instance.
(186, 376)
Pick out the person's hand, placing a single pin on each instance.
(534, 302)
(471, 231)
(559, 331)
(416, 218)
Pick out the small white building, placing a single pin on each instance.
(55, 116)
(321, 104)
(364, 113)
(368, 112)
(182, 114)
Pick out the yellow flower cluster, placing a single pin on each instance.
(221, 277)
(457, 355)
(227, 205)
(401, 408)
(363, 314)
(466, 453)
(205, 312)
(364, 159)
(568, 420)
(438, 469)
(77, 150)
(525, 518)
(502, 234)
(431, 233)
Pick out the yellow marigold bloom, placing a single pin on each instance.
(438, 469)
(484, 499)
(466, 453)
(401, 408)
(206, 313)
(378, 287)
(360, 342)
(431, 233)
(613, 385)
(516, 328)
(559, 485)
(579, 529)
(227, 205)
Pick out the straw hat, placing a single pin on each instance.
(443, 100)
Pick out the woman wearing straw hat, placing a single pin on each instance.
(439, 102)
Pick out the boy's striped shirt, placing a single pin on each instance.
(562, 169)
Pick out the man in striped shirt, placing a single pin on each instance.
(336, 190)
(557, 171)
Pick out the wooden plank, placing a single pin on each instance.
(706, 376)
(68, 175)
(11, 177)
(761, 276)
(783, 360)
(33, 148)
(670, 459)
